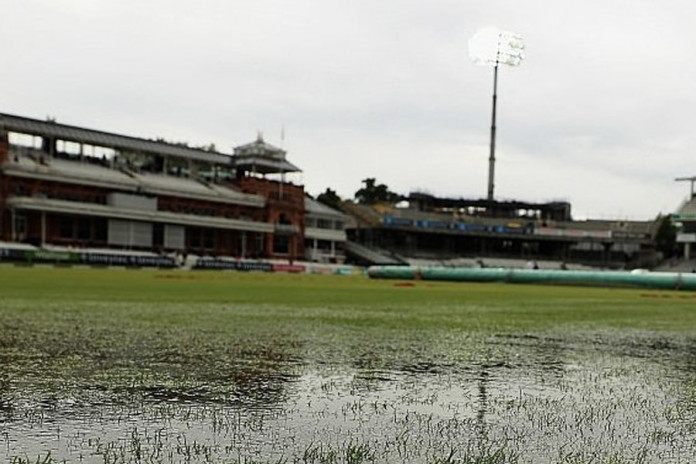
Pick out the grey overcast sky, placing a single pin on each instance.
(601, 113)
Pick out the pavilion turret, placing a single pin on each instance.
(260, 157)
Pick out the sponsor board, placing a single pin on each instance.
(224, 264)
(296, 268)
(71, 257)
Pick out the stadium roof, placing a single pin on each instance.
(65, 132)
(687, 212)
(317, 208)
(557, 210)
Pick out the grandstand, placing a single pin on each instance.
(482, 232)
(65, 190)
(685, 220)
(78, 188)
(325, 233)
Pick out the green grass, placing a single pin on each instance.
(95, 322)
(180, 298)
(190, 344)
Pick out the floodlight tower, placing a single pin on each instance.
(493, 47)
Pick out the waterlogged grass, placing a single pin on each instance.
(168, 367)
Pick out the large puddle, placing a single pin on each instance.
(530, 398)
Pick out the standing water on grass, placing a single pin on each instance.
(498, 398)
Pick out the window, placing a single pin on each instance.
(65, 227)
(281, 244)
(83, 228)
(97, 152)
(198, 237)
(260, 244)
(64, 146)
(194, 236)
(100, 230)
(20, 227)
(158, 234)
(24, 140)
(208, 238)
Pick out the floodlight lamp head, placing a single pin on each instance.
(491, 47)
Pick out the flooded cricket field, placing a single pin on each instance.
(307, 389)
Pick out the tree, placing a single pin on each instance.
(666, 236)
(373, 193)
(329, 198)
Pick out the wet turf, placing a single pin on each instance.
(161, 366)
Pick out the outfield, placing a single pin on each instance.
(356, 299)
(490, 367)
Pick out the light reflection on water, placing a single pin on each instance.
(539, 399)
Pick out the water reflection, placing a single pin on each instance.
(533, 397)
(544, 352)
(482, 407)
(6, 400)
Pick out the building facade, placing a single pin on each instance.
(69, 186)
(443, 228)
(325, 233)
